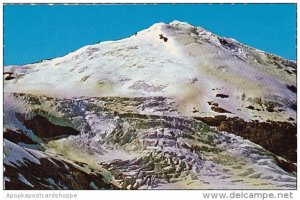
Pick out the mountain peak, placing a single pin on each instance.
(172, 26)
(176, 60)
(180, 23)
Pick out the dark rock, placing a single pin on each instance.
(43, 128)
(292, 88)
(250, 107)
(294, 107)
(223, 41)
(63, 175)
(278, 137)
(9, 78)
(17, 137)
(222, 95)
(219, 110)
(211, 103)
(212, 121)
(285, 165)
(163, 38)
(270, 109)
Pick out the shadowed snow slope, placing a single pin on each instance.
(137, 103)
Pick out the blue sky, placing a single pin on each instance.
(33, 33)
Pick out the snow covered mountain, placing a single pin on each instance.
(172, 106)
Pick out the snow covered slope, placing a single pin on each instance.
(193, 66)
(135, 107)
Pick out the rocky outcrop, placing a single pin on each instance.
(8, 76)
(222, 95)
(292, 88)
(52, 174)
(17, 137)
(219, 109)
(278, 137)
(43, 128)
